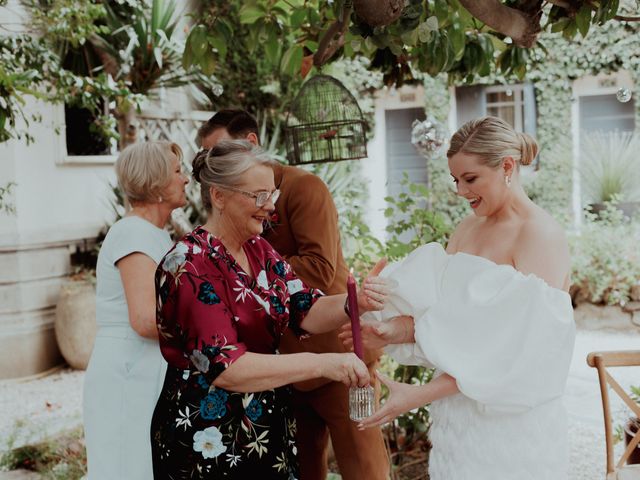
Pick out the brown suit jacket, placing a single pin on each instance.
(305, 232)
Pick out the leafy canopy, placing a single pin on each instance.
(431, 36)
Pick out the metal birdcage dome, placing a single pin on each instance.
(325, 124)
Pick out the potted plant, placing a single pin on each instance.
(610, 171)
(631, 428)
(75, 322)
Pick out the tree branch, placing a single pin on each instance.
(522, 28)
(624, 18)
(333, 39)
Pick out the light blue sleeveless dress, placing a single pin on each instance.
(126, 371)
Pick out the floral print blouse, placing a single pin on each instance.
(210, 312)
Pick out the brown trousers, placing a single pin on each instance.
(323, 412)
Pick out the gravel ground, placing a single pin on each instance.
(35, 408)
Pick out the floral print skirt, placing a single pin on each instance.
(199, 432)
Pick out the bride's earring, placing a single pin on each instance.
(507, 180)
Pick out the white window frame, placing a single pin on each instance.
(590, 85)
(518, 102)
(63, 157)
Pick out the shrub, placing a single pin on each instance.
(605, 258)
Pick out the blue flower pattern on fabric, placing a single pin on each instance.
(277, 304)
(207, 295)
(210, 351)
(213, 406)
(254, 410)
(279, 269)
(301, 301)
(203, 382)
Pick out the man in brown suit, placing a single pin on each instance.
(304, 230)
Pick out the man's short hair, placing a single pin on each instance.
(238, 123)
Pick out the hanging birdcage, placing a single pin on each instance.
(325, 124)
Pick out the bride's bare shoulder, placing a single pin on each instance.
(460, 232)
(543, 228)
(541, 248)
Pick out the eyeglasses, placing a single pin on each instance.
(261, 197)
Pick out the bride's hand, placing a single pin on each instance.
(375, 334)
(398, 402)
(373, 294)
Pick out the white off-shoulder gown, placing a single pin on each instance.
(507, 339)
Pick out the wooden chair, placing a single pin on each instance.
(601, 361)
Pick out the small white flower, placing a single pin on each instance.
(199, 360)
(209, 442)
(196, 249)
(294, 286)
(262, 280)
(242, 291)
(183, 420)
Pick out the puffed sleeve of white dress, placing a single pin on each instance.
(417, 277)
(507, 338)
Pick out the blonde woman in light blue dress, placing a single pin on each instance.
(126, 370)
(492, 315)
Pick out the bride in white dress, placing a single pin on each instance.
(492, 315)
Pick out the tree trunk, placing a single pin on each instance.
(378, 13)
(126, 129)
(523, 28)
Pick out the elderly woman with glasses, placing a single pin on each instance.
(224, 299)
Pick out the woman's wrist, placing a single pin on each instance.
(346, 307)
(403, 333)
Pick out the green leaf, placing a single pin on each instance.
(198, 42)
(457, 39)
(311, 45)
(208, 64)
(224, 29)
(411, 37)
(291, 60)
(313, 15)
(583, 20)
(441, 9)
(570, 31)
(250, 13)
(272, 50)
(220, 44)
(560, 25)
(297, 18)
(187, 56)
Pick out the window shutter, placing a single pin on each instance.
(530, 115)
(470, 104)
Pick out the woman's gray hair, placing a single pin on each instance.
(144, 169)
(225, 164)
